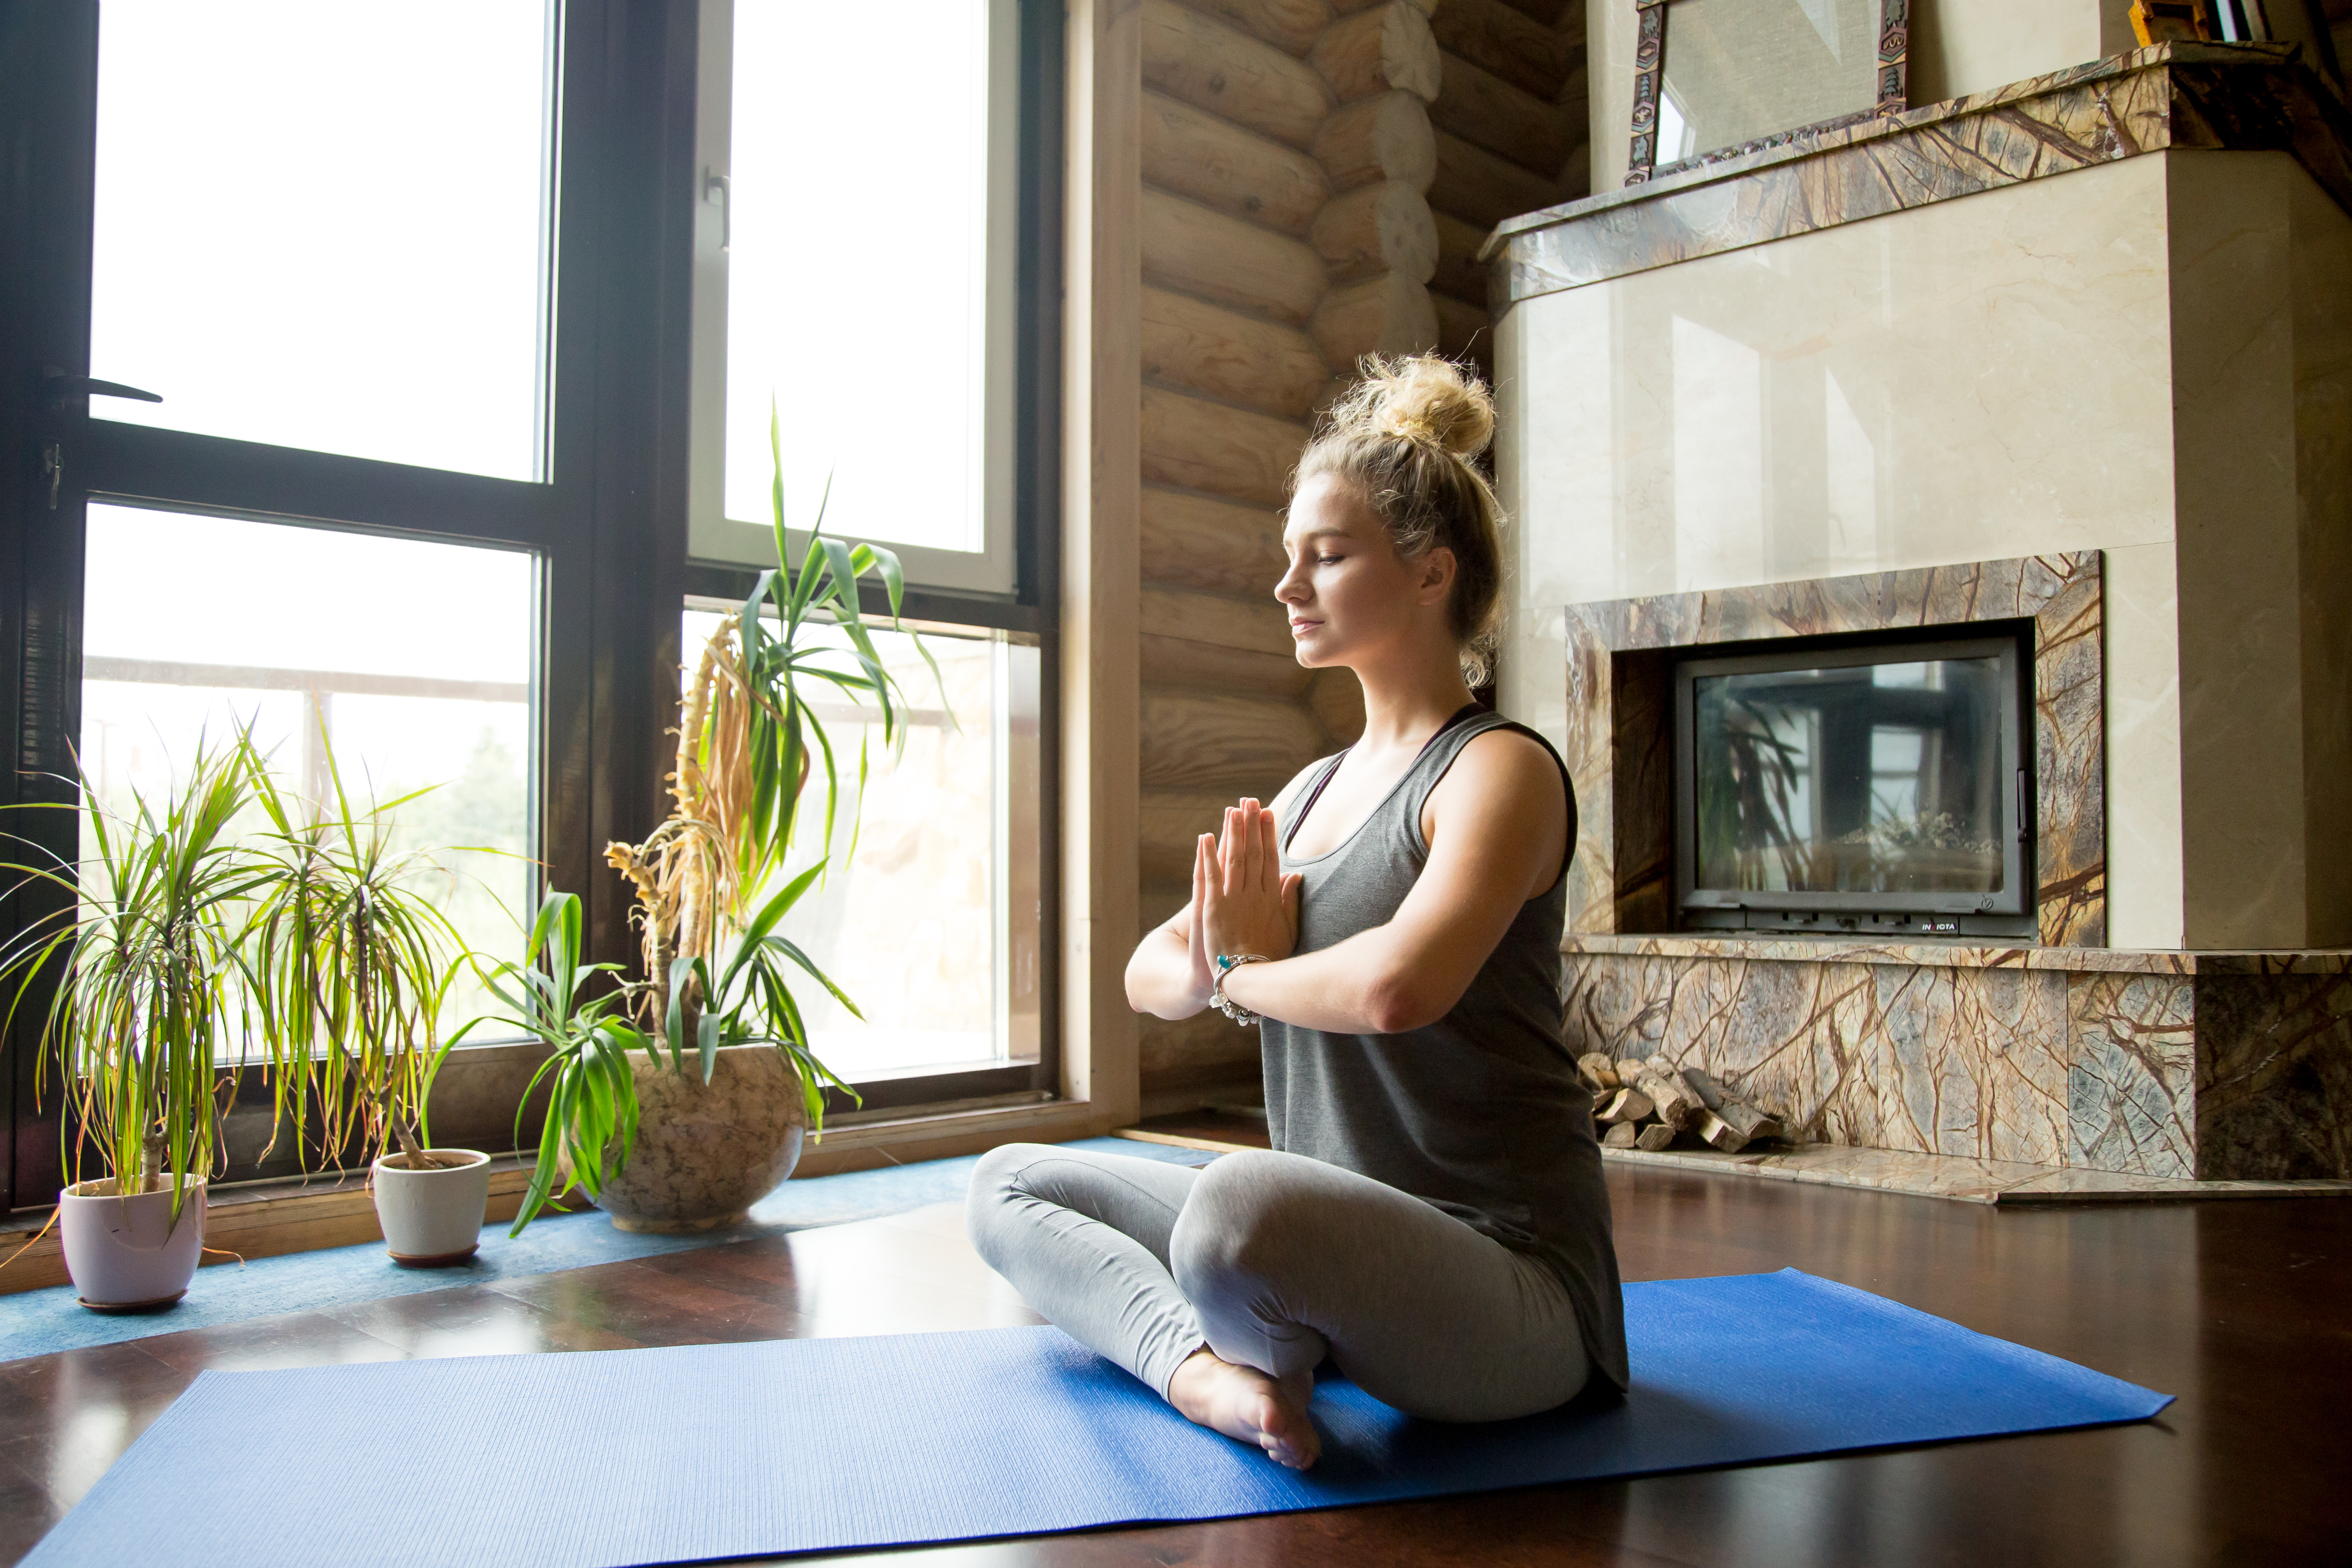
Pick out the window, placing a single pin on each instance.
(464, 315)
(857, 271)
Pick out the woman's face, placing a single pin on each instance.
(1348, 593)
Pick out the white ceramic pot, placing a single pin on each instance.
(433, 1217)
(125, 1254)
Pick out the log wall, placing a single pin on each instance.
(1307, 199)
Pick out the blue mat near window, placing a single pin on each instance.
(814, 1444)
(36, 1323)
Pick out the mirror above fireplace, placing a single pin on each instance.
(1879, 788)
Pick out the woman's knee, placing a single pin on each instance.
(996, 1194)
(1247, 1215)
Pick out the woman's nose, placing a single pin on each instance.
(1292, 588)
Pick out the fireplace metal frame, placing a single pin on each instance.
(2010, 912)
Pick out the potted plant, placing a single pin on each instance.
(351, 963)
(151, 1004)
(723, 1084)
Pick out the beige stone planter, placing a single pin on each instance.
(706, 1153)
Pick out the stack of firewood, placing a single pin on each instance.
(1653, 1104)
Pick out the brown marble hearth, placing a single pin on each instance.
(2207, 1066)
(1620, 693)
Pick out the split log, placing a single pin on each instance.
(1201, 541)
(1217, 164)
(1657, 1135)
(1459, 271)
(1677, 1107)
(1749, 1121)
(1223, 744)
(1225, 71)
(1620, 1136)
(1387, 137)
(1631, 1069)
(1530, 55)
(1710, 1089)
(1464, 330)
(1337, 699)
(1374, 229)
(1599, 1072)
(1625, 1105)
(1200, 251)
(1388, 314)
(1372, 51)
(1290, 26)
(1200, 347)
(1480, 188)
(1214, 447)
(1717, 1133)
(1480, 106)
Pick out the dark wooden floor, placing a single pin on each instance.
(2243, 1310)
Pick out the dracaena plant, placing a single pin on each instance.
(352, 962)
(150, 1014)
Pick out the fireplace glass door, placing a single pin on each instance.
(1878, 788)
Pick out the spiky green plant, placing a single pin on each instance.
(152, 979)
(351, 962)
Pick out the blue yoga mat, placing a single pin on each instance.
(811, 1445)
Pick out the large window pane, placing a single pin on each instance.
(416, 655)
(865, 320)
(931, 925)
(325, 226)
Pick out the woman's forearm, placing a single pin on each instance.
(1360, 986)
(1160, 979)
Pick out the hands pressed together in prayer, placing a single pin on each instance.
(1241, 901)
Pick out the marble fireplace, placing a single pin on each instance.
(2072, 353)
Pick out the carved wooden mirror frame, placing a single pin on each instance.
(1893, 94)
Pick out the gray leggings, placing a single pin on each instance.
(1273, 1261)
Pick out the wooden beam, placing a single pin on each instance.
(1385, 137)
(1459, 271)
(1483, 108)
(1464, 330)
(1480, 188)
(1203, 156)
(1217, 643)
(1200, 347)
(1194, 541)
(1102, 378)
(1219, 69)
(1337, 699)
(1374, 229)
(1200, 251)
(1207, 1047)
(1369, 53)
(1171, 821)
(1214, 447)
(1290, 26)
(1532, 56)
(1388, 314)
(1216, 743)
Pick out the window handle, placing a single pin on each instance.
(60, 386)
(717, 187)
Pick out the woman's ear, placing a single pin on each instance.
(1435, 572)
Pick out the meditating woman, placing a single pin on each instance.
(1432, 1216)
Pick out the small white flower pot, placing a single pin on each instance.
(432, 1218)
(125, 1254)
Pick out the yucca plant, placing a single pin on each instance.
(151, 1012)
(351, 962)
(591, 1117)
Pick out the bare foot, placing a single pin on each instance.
(1246, 1405)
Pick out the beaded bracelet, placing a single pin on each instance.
(1226, 962)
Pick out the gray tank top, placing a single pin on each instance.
(1480, 1114)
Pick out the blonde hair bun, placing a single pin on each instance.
(1419, 397)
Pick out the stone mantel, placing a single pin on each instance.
(1960, 955)
(2220, 97)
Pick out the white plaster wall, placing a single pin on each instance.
(1957, 46)
(1973, 379)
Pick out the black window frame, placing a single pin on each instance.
(607, 524)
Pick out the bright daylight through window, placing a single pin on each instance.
(326, 226)
(889, 366)
(931, 926)
(415, 657)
